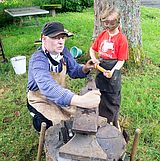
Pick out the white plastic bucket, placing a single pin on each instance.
(19, 64)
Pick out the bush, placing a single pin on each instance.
(4, 18)
(17, 3)
(75, 5)
(67, 5)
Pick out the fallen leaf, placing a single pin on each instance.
(7, 119)
(1, 92)
(17, 113)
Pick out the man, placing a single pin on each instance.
(48, 100)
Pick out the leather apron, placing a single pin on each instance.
(110, 92)
(109, 85)
(47, 108)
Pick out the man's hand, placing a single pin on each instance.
(89, 100)
(88, 66)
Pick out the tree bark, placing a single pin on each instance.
(131, 26)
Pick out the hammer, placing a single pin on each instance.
(101, 69)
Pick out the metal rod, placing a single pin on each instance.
(1, 48)
(135, 144)
(41, 140)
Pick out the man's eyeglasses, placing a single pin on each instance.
(58, 37)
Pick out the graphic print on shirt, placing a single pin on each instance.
(106, 49)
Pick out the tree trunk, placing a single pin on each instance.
(131, 26)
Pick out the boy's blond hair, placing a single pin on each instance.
(109, 11)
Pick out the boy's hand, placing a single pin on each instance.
(95, 61)
(108, 73)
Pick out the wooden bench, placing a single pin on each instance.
(52, 8)
(28, 11)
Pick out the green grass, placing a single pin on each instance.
(140, 92)
(151, 30)
(141, 105)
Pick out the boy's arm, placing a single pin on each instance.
(118, 66)
(92, 54)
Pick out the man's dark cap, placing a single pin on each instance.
(54, 29)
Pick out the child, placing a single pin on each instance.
(112, 48)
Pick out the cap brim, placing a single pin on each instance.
(69, 33)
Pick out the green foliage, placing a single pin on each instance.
(136, 57)
(17, 3)
(75, 5)
(40, 2)
(140, 105)
(4, 19)
(140, 89)
(151, 23)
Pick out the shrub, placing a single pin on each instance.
(75, 5)
(67, 5)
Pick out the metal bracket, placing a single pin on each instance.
(2, 53)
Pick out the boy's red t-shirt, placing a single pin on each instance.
(108, 47)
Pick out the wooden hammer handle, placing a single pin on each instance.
(100, 68)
